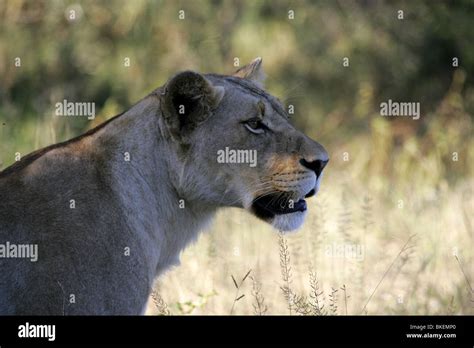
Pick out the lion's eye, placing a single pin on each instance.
(255, 126)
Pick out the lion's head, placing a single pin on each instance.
(234, 146)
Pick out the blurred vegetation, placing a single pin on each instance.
(407, 60)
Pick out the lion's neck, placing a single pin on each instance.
(164, 220)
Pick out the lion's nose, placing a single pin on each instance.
(317, 165)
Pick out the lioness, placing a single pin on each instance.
(111, 209)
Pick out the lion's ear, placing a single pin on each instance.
(252, 71)
(188, 100)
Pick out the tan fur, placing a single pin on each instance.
(136, 205)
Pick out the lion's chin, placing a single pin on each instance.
(275, 210)
(289, 222)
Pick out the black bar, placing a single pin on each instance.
(347, 330)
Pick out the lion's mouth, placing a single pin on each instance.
(275, 204)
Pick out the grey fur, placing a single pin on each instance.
(135, 204)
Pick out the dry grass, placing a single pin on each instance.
(392, 276)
